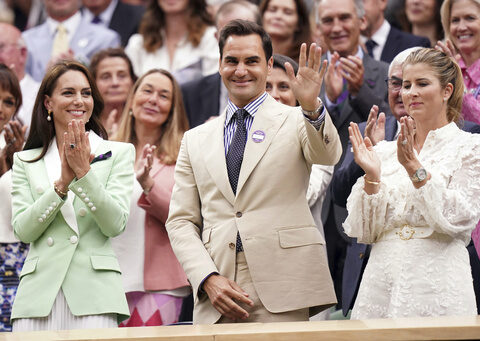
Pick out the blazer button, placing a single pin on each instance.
(73, 239)
(361, 255)
(238, 214)
(50, 241)
(80, 189)
(231, 245)
(82, 212)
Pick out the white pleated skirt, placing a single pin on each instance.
(61, 318)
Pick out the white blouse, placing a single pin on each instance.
(419, 265)
(188, 63)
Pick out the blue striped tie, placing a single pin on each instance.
(235, 157)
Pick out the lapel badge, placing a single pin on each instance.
(258, 136)
(326, 139)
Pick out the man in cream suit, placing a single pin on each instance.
(239, 220)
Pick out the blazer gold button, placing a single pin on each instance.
(231, 245)
(239, 214)
(50, 241)
(361, 255)
(73, 239)
(82, 212)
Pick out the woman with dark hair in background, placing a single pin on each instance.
(287, 23)
(70, 195)
(422, 18)
(113, 73)
(154, 122)
(177, 36)
(12, 251)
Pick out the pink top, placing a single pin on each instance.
(471, 100)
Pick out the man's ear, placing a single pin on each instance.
(448, 92)
(270, 65)
(363, 23)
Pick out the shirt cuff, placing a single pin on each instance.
(200, 287)
(318, 122)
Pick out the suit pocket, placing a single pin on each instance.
(300, 236)
(105, 263)
(29, 266)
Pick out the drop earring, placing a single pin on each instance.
(49, 117)
(130, 112)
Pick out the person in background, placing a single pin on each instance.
(70, 194)
(383, 41)
(154, 122)
(64, 35)
(12, 251)
(207, 97)
(417, 202)
(287, 23)
(176, 36)
(422, 18)
(13, 53)
(114, 76)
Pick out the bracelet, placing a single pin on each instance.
(62, 194)
(371, 182)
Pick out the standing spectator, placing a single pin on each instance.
(422, 18)
(70, 257)
(13, 53)
(113, 73)
(176, 36)
(12, 251)
(383, 41)
(64, 35)
(154, 122)
(116, 15)
(287, 23)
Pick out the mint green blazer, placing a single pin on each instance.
(70, 245)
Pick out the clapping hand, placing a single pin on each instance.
(144, 166)
(334, 78)
(14, 139)
(375, 128)
(364, 154)
(406, 144)
(448, 49)
(308, 82)
(352, 70)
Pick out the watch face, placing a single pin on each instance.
(420, 174)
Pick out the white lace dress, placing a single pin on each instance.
(419, 265)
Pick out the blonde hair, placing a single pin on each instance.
(168, 143)
(447, 71)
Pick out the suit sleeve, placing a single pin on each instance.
(184, 222)
(30, 217)
(109, 204)
(322, 146)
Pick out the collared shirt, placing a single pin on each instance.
(105, 16)
(471, 74)
(71, 25)
(231, 125)
(380, 38)
(328, 102)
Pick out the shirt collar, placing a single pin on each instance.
(359, 53)
(71, 24)
(380, 37)
(251, 107)
(105, 16)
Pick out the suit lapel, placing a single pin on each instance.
(268, 119)
(214, 157)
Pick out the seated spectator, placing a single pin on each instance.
(383, 41)
(12, 251)
(287, 23)
(154, 122)
(113, 73)
(13, 53)
(116, 15)
(422, 18)
(176, 36)
(64, 35)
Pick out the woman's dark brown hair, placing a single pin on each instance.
(111, 53)
(9, 82)
(42, 131)
(153, 22)
(407, 26)
(302, 34)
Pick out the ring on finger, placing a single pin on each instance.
(404, 142)
(72, 145)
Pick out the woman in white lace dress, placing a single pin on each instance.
(418, 201)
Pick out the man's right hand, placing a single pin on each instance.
(224, 294)
(375, 128)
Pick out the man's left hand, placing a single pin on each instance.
(308, 82)
(352, 70)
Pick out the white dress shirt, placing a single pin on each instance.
(380, 38)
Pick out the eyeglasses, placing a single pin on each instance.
(394, 83)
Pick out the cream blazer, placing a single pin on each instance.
(285, 251)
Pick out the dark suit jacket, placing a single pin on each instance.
(357, 254)
(397, 41)
(201, 98)
(125, 20)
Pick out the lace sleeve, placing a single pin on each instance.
(449, 200)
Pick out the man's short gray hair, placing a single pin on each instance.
(401, 57)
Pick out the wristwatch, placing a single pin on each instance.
(314, 112)
(419, 175)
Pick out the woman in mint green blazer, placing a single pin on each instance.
(70, 194)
